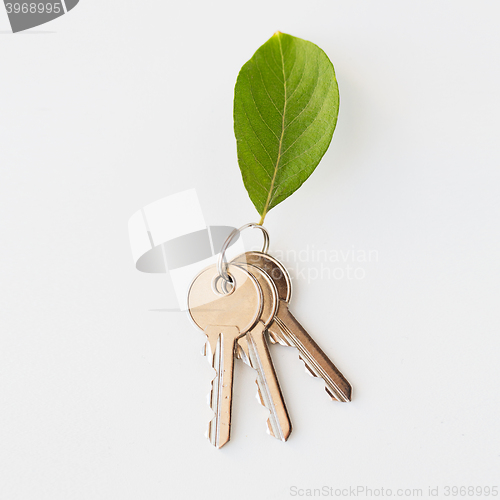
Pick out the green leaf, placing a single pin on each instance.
(286, 103)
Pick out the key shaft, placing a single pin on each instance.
(286, 330)
(221, 343)
(223, 318)
(254, 346)
(316, 361)
(256, 354)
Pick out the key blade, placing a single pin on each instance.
(316, 361)
(242, 350)
(277, 336)
(278, 423)
(220, 352)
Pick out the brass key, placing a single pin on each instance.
(224, 317)
(254, 351)
(288, 331)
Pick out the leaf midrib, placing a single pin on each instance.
(273, 180)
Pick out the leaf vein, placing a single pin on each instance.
(271, 189)
(308, 127)
(262, 118)
(308, 102)
(306, 150)
(268, 95)
(259, 139)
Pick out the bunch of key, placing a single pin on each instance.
(242, 309)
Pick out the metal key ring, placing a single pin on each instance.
(222, 262)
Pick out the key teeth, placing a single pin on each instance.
(269, 428)
(242, 355)
(258, 396)
(242, 351)
(207, 351)
(307, 369)
(208, 432)
(346, 399)
(333, 397)
(276, 338)
(273, 338)
(209, 400)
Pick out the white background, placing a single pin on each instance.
(120, 103)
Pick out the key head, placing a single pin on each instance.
(273, 268)
(241, 307)
(270, 302)
(269, 293)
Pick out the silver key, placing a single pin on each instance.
(286, 330)
(254, 351)
(224, 318)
